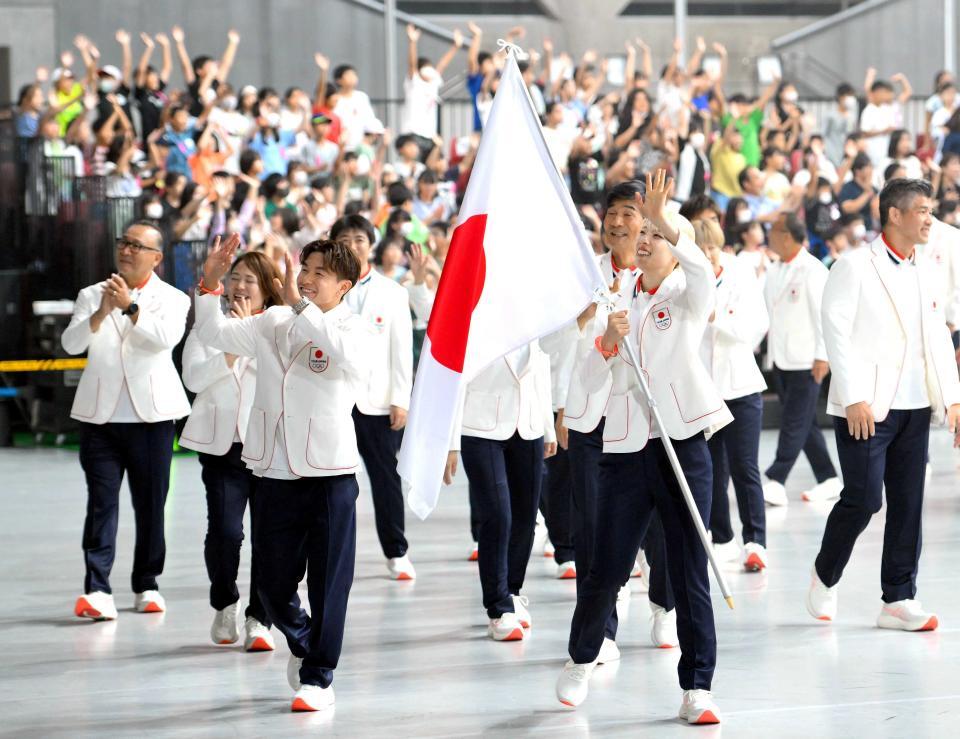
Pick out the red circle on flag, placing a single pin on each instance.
(318, 354)
(458, 293)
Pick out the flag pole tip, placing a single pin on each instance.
(729, 600)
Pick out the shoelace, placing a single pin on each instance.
(578, 672)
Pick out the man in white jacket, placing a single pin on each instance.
(127, 400)
(798, 358)
(893, 369)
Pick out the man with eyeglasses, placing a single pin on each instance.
(127, 400)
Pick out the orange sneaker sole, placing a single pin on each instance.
(474, 556)
(568, 574)
(753, 564)
(403, 576)
(299, 705)
(260, 645)
(152, 608)
(930, 625)
(707, 717)
(515, 635)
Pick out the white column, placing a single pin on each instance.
(390, 52)
(949, 35)
(680, 26)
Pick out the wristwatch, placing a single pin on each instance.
(131, 310)
(301, 306)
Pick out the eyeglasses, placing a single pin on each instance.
(135, 246)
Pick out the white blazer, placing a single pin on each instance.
(221, 409)
(793, 292)
(943, 250)
(740, 323)
(503, 400)
(866, 342)
(307, 370)
(421, 300)
(584, 409)
(139, 354)
(561, 348)
(385, 306)
(666, 332)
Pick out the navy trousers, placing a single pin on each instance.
(631, 486)
(143, 451)
(798, 393)
(379, 445)
(505, 478)
(896, 457)
(734, 450)
(229, 485)
(308, 524)
(556, 504)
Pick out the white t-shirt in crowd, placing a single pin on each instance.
(421, 99)
(291, 120)
(559, 140)
(236, 126)
(354, 112)
(880, 118)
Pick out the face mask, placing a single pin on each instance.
(300, 178)
(283, 192)
(826, 198)
(744, 216)
(850, 103)
(209, 95)
(153, 211)
(790, 97)
(697, 140)
(859, 231)
(273, 120)
(229, 102)
(363, 165)
(107, 86)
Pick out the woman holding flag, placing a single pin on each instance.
(664, 314)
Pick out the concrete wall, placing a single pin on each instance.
(892, 35)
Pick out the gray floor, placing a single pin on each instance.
(416, 661)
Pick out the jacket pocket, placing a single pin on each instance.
(481, 411)
(331, 447)
(201, 425)
(87, 397)
(616, 426)
(691, 415)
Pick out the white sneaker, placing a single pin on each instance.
(754, 557)
(259, 638)
(821, 600)
(624, 592)
(906, 615)
(826, 490)
(774, 493)
(698, 707)
(641, 570)
(663, 627)
(728, 551)
(226, 625)
(548, 549)
(97, 606)
(520, 603)
(293, 671)
(312, 698)
(609, 652)
(149, 601)
(539, 533)
(401, 568)
(505, 628)
(474, 554)
(573, 683)
(567, 571)
(928, 473)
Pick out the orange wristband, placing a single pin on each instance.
(603, 352)
(204, 291)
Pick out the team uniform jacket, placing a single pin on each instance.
(793, 292)
(308, 367)
(865, 339)
(666, 330)
(385, 306)
(583, 409)
(138, 354)
(740, 323)
(506, 398)
(221, 409)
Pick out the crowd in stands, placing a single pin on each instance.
(280, 165)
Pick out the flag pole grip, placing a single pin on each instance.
(628, 349)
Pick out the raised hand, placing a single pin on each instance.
(233, 36)
(122, 37)
(413, 33)
(288, 286)
(701, 44)
(322, 62)
(677, 45)
(418, 260)
(163, 39)
(66, 60)
(147, 40)
(457, 37)
(42, 74)
(177, 34)
(659, 189)
(719, 48)
(547, 46)
(219, 260)
(474, 29)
